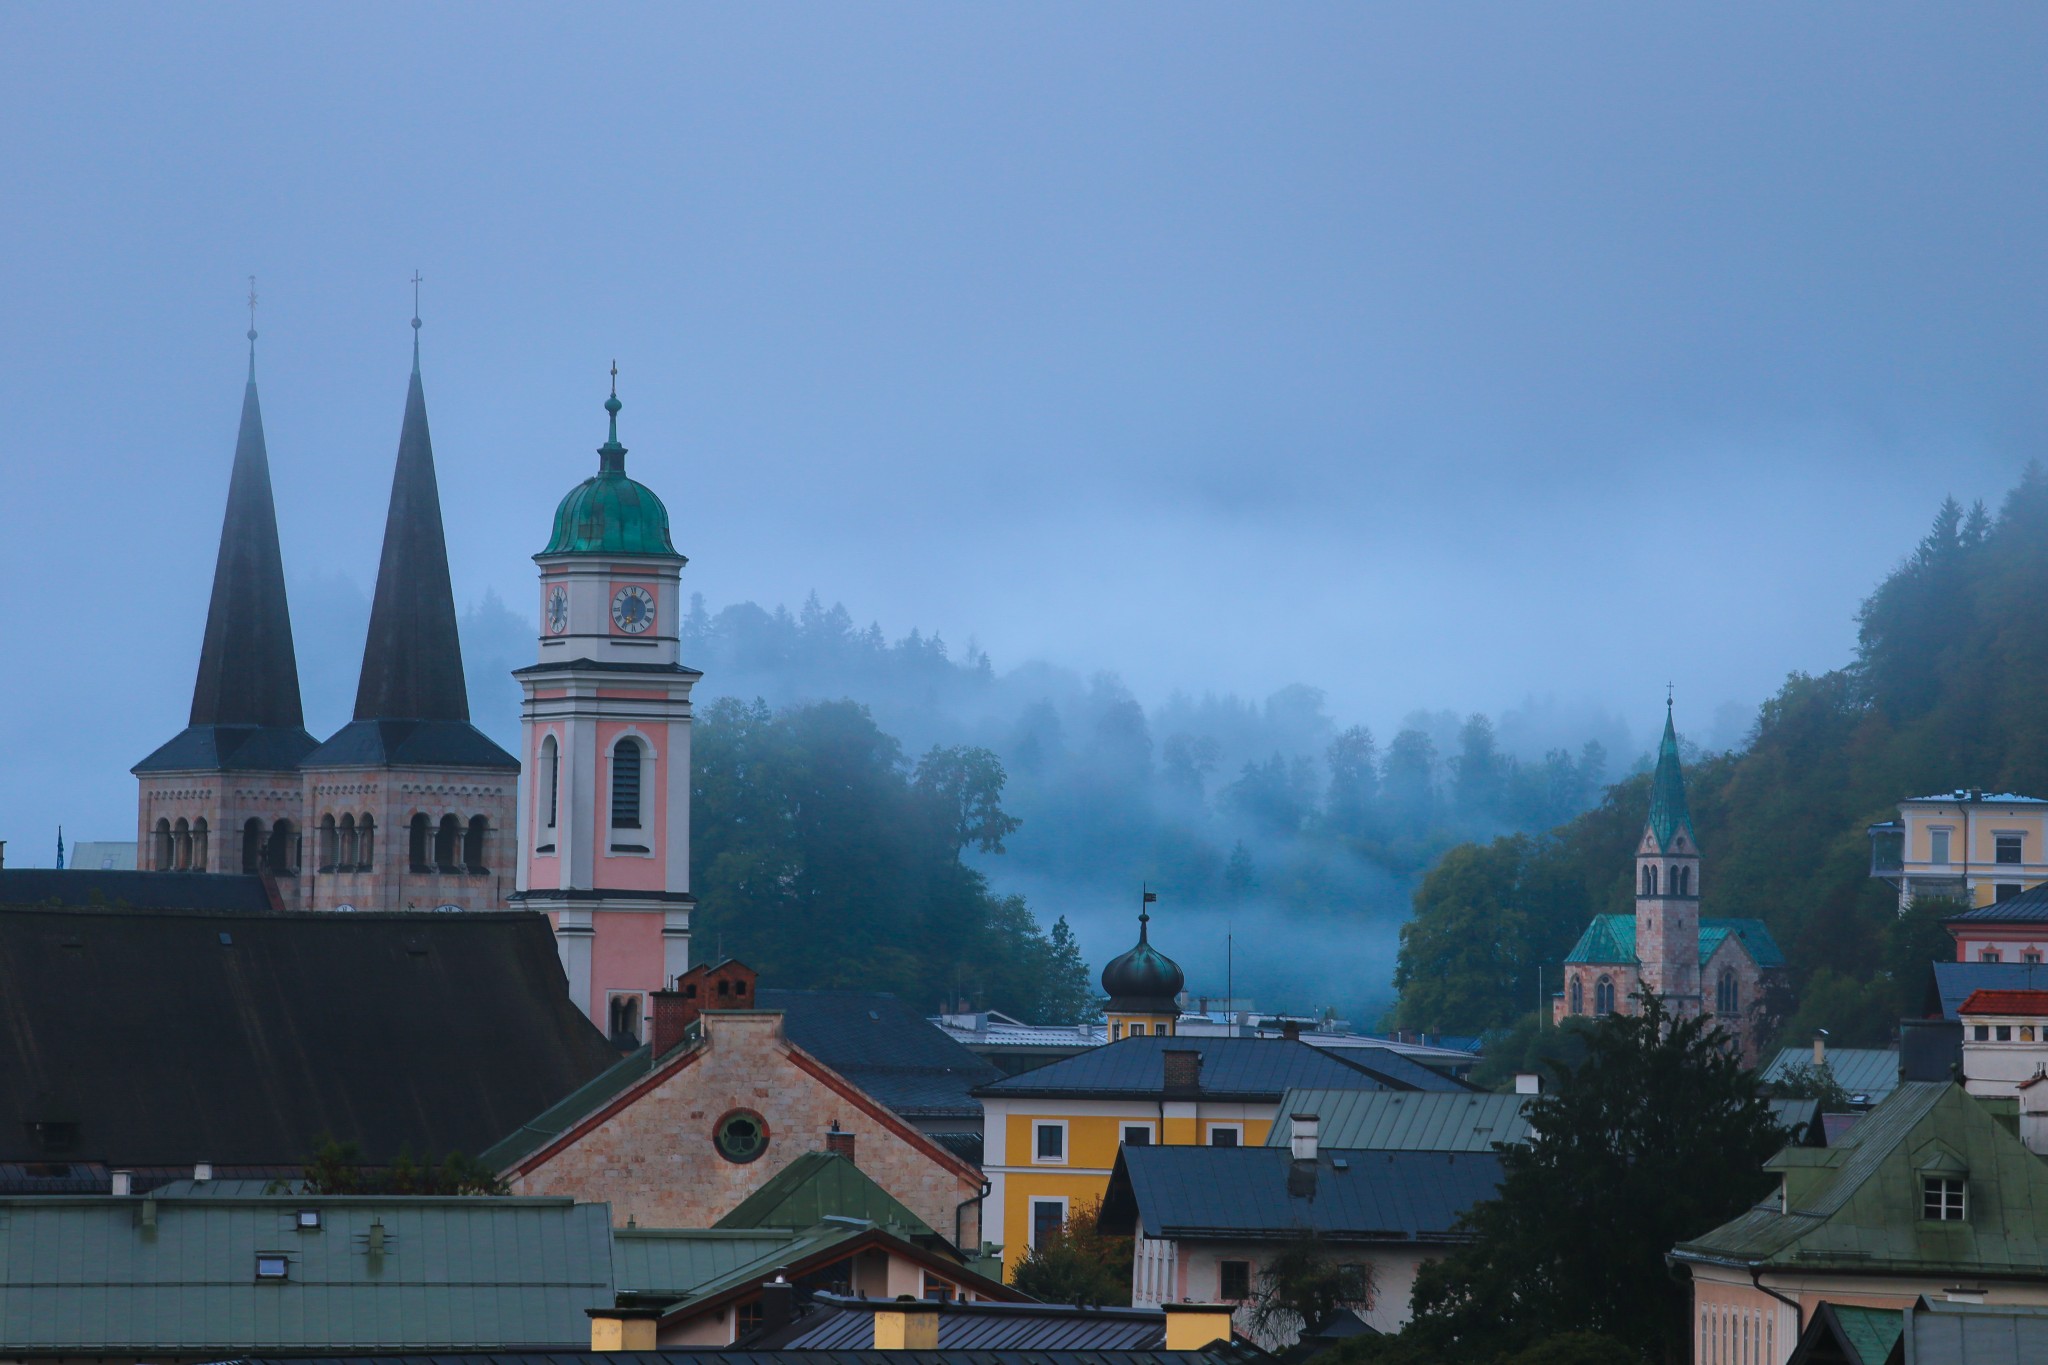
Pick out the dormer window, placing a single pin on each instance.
(1943, 1199)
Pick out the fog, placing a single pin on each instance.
(1453, 360)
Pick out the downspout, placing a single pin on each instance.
(959, 1215)
(1756, 1279)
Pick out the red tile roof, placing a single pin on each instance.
(2005, 1002)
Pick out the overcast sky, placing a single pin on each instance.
(1435, 355)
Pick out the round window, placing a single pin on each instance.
(741, 1135)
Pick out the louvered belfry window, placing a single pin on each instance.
(626, 785)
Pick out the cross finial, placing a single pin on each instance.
(415, 300)
(615, 379)
(252, 329)
(1667, 696)
(611, 452)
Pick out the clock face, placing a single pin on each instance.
(632, 609)
(558, 610)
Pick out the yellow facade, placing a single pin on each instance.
(1122, 1026)
(1977, 847)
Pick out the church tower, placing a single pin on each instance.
(1144, 987)
(1668, 887)
(223, 794)
(409, 806)
(604, 802)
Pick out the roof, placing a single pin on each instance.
(1857, 1204)
(995, 1031)
(1668, 813)
(1954, 982)
(1143, 980)
(1938, 1333)
(2028, 907)
(817, 1186)
(1612, 938)
(1404, 1121)
(2005, 1002)
(1250, 1193)
(886, 1048)
(1985, 798)
(690, 1265)
(1240, 1068)
(609, 513)
(230, 748)
(1216, 1353)
(50, 887)
(1872, 1071)
(410, 744)
(171, 1037)
(93, 1276)
(840, 1323)
(1861, 1336)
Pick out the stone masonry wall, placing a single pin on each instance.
(655, 1161)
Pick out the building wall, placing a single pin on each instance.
(1973, 828)
(654, 1160)
(1735, 1323)
(393, 796)
(225, 801)
(1166, 1271)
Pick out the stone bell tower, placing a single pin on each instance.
(1668, 887)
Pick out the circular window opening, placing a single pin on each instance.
(741, 1135)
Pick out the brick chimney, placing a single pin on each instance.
(725, 985)
(673, 1015)
(1290, 1029)
(1183, 1070)
(839, 1142)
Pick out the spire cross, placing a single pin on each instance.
(1667, 696)
(252, 329)
(415, 300)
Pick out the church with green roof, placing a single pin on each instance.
(1721, 967)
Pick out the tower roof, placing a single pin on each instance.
(412, 661)
(1668, 813)
(1143, 980)
(609, 513)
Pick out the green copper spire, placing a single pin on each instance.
(1668, 814)
(612, 455)
(609, 513)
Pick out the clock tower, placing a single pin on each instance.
(604, 791)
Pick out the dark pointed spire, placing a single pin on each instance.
(1668, 813)
(412, 663)
(248, 670)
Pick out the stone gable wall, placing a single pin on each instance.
(654, 1161)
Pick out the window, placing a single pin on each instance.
(2032, 957)
(330, 843)
(165, 849)
(937, 1290)
(1989, 955)
(2002, 1033)
(1137, 1030)
(740, 1136)
(473, 844)
(272, 1265)
(1233, 1281)
(1577, 993)
(199, 845)
(1116, 1033)
(2008, 846)
(2004, 891)
(309, 1220)
(1727, 995)
(1048, 1216)
(2026, 1033)
(1137, 1135)
(420, 837)
(1226, 1134)
(1941, 1199)
(366, 844)
(281, 854)
(1049, 1142)
(448, 844)
(1980, 1033)
(1603, 995)
(1685, 881)
(346, 861)
(182, 833)
(1937, 840)
(252, 846)
(626, 785)
(625, 1020)
(551, 774)
(1649, 881)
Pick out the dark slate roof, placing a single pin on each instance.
(1232, 1068)
(839, 1323)
(44, 887)
(1954, 982)
(230, 748)
(248, 672)
(1239, 1193)
(410, 744)
(412, 662)
(2028, 907)
(171, 1037)
(886, 1048)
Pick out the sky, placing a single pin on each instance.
(1437, 356)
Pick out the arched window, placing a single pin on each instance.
(346, 858)
(252, 846)
(166, 851)
(473, 844)
(448, 844)
(625, 1020)
(1727, 995)
(181, 837)
(1603, 993)
(1578, 995)
(422, 836)
(281, 854)
(366, 845)
(551, 776)
(1685, 881)
(199, 844)
(626, 784)
(330, 844)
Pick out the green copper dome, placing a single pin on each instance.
(608, 513)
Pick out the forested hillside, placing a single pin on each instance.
(1947, 690)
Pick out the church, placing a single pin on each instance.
(1665, 946)
(409, 807)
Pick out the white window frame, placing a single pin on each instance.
(1213, 1128)
(2020, 835)
(644, 833)
(1066, 1150)
(1962, 1204)
(1124, 1127)
(1031, 1215)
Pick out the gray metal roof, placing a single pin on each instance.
(2028, 907)
(847, 1324)
(1232, 1068)
(1247, 1193)
(886, 1048)
(1217, 1353)
(1939, 1333)
(1872, 1071)
(1426, 1121)
(1955, 981)
(92, 1276)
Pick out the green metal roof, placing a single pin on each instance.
(817, 1186)
(87, 1276)
(1404, 1121)
(1612, 939)
(565, 1113)
(609, 513)
(1857, 1205)
(1869, 1332)
(679, 1262)
(1668, 814)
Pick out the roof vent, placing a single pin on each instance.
(123, 1184)
(201, 1171)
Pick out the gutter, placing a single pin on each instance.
(1755, 1269)
(960, 1209)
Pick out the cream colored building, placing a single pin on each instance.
(1978, 847)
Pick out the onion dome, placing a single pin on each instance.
(1144, 980)
(608, 513)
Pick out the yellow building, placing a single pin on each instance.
(1051, 1135)
(1975, 846)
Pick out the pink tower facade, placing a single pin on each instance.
(603, 818)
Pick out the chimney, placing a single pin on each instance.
(1290, 1029)
(1820, 1048)
(1183, 1070)
(839, 1142)
(1528, 1083)
(1193, 1326)
(124, 1184)
(622, 1329)
(672, 1019)
(1301, 1139)
(907, 1324)
(202, 1171)
(778, 1302)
